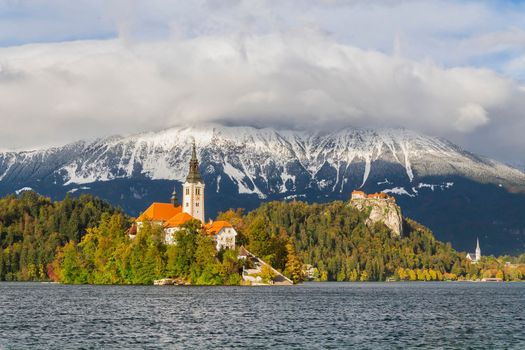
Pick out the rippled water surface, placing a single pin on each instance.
(309, 316)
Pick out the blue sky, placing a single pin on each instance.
(448, 68)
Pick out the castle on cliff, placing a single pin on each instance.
(172, 216)
(380, 207)
(379, 195)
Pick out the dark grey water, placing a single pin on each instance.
(310, 316)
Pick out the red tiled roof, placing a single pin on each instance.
(159, 212)
(178, 220)
(215, 227)
(378, 195)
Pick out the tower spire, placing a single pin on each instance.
(174, 199)
(478, 250)
(193, 175)
(194, 152)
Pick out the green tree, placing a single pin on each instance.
(205, 268)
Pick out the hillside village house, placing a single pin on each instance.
(172, 216)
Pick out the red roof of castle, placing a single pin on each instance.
(159, 212)
(378, 195)
(381, 195)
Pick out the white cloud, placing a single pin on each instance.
(63, 91)
(470, 117)
(312, 64)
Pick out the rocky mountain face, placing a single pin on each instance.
(456, 193)
(381, 210)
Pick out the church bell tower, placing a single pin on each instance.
(193, 189)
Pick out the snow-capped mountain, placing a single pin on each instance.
(243, 166)
(260, 161)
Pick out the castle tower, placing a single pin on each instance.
(193, 190)
(478, 251)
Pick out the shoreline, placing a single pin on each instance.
(266, 285)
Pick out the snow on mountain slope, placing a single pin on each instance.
(260, 161)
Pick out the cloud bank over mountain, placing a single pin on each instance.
(245, 63)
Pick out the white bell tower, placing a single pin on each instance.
(193, 190)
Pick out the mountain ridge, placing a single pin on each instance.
(170, 147)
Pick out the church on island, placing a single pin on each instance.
(172, 216)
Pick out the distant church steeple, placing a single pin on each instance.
(478, 250)
(193, 189)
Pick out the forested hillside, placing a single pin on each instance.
(334, 239)
(32, 227)
(84, 240)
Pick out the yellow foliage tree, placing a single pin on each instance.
(364, 276)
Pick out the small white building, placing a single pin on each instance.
(223, 234)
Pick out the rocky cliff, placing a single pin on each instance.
(381, 210)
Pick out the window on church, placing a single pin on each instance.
(188, 191)
(197, 204)
(197, 191)
(187, 204)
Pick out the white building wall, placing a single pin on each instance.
(140, 224)
(193, 200)
(225, 239)
(169, 235)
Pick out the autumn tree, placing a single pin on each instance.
(293, 268)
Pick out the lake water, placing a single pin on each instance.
(308, 316)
